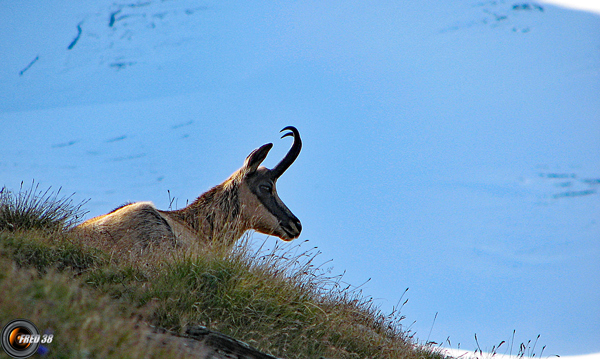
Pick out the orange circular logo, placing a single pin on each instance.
(20, 338)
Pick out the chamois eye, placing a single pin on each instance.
(266, 188)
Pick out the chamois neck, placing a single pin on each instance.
(215, 215)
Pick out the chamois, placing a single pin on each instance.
(246, 200)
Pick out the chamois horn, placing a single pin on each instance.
(292, 154)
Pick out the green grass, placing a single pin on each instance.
(278, 301)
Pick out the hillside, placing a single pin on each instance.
(97, 303)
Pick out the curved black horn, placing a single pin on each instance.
(292, 154)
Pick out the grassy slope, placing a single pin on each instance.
(277, 301)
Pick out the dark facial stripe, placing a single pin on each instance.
(281, 212)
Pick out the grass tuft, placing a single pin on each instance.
(35, 209)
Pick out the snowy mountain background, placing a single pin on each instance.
(449, 147)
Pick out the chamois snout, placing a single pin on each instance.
(292, 228)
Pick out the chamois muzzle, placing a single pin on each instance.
(292, 228)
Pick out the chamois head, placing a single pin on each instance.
(261, 206)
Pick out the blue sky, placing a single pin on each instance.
(449, 147)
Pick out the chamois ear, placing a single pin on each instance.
(256, 157)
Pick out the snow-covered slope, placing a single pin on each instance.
(449, 147)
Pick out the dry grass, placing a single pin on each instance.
(278, 301)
